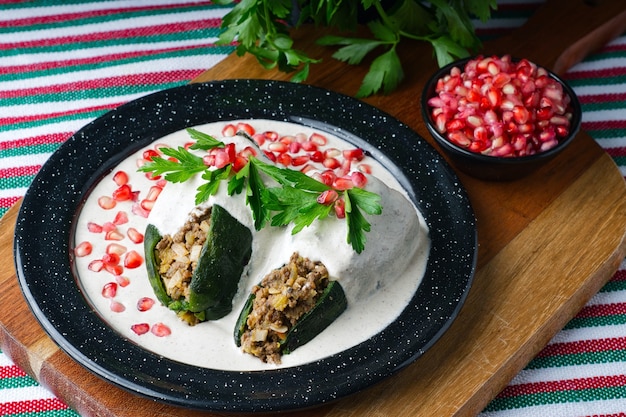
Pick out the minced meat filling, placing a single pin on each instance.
(179, 254)
(282, 297)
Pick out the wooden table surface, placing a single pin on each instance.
(547, 243)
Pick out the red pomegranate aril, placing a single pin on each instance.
(147, 204)
(154, 192)
(331, 163)
(355, 154)
(149, 154)
(94, 227)
(96, 265)
(340, 208)
(117, 307)
(145, 304)
(120, 178)
(133, 259)
(229, 130)
(83, 249)
(278, 147)
(160, 330)
(318, 139)
(111, 258)
(134, 235)
(308, 146)
(140, 211)
(300, 160)
(317, 156)
(246, 127)
(114, 270)
(109, 290)
(365, 168)
(327, 197)
(106, 202)
(122, 281)
(115, 248)
(294, 147)
(113, 235)
(122, 193)
(140, 328)
(328, 177)
(343, 183)
(247, 152)
(284, 159)
(239, 163)
(358, 179)
(270, 155)
(120, 218)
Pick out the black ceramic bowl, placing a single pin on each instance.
(488, 167)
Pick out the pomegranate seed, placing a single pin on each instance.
(154, 192)
(259, 139)
(140, 211)
(245, 127)
(122, 281)
(229, 130)
(120, 178)
(270, 156)
(221, 159)
(239, 163)
(318, 139)
(317, 156)
(365, 168)
(109, 226)
(140, 328)
(109, 290)
(340, 209)
(94, 227)
(294, 147)
(149, 154)
(284, 159)
(145, 304)
(356, 154)
(122, 193)
(106, 202)
(160, 330)
(113, 269)
(308, 146)
(278, 147)
(120, 218)
(147, 204)
(331, 163)
(117, 307)
(133, 259)
(113, 235)
(134, 235)
(358, 179)
(83, 249)
(96, 265)
(327, 197)
(111, 259)
(115, 248)
(300, 160)
(343, 183)
(328, 177)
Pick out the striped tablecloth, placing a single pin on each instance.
(64, 63)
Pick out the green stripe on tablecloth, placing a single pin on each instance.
(112, 17)
(605, 105)
(146, 56)
(86, 116)
(544, 398)
(610, 81)
(614, 285)
(17, 382)
(607, 54)
(16, 182)
(29, 150)
(606, 133)
(578, 359)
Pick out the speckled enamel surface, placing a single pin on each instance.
(45, 226)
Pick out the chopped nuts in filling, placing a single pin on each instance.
(282, 297)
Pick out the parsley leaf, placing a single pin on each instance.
(185, 166)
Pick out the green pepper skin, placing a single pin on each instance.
(328, 307)
(223, 258)
(215, 279)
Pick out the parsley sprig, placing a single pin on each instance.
(262, 28)
(290, 198)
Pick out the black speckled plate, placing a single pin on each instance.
(45, 221)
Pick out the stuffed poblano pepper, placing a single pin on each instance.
(196, 272)
(288, 308)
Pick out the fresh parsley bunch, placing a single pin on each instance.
(293, 200)
(262, 28)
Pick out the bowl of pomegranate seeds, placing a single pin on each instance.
(499, 118)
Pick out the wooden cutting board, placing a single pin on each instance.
(547, 244)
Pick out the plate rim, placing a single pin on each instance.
(380, 365)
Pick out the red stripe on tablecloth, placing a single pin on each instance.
(602, 310)
(63, 17)
(8, 202)
(616, 152)
(35, 140)
(620, 275)
(42, 66)
(599, 73)
(32, 406)
(166, 28)
(5, 121)
(118, 81)
(564, 385)
(604, 125)
(583, 346)
(11, 371)
(19, 171)
(601, 98)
